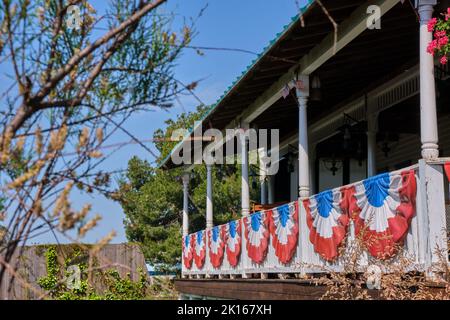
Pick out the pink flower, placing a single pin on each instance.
(443, 41)
(439, 34)
(432, 24)
(432, 46)
(444, 60)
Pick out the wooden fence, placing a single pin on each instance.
(31, 265)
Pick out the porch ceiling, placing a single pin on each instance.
(371, 59)
(367, 60)
(285, 53)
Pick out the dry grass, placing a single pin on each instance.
(401, 278)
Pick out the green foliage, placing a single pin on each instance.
(184, 121)
(2, 203)
(54, 282)
(50, 282)
(106, 285)
(152, 199)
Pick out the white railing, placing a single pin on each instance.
(295, 238)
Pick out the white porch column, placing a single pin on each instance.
(294, 182)
(209, 202)
(372, 128)
(263, 176)
(271, 189)
(263, 180)
(428, 119)
(185, 179)
(303, 158)
(245, 191)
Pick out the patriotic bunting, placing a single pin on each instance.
(284, 230)
(199, 248)
(257, 236)
(233, 241)
(447, 170)
(327, 222)
(382, 208)
(188, 251)
(216, 245)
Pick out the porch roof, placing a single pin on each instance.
(382, 52)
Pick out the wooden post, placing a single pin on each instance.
(263, 191)
(263, 176)
(428, 119)
(294, 182)
(431, 216)
(271, 189)
(372, 128)
(209, 197)
(245, 191)
(209, 218)
(303, 157)
(185, 179)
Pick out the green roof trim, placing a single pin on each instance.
(294, 19)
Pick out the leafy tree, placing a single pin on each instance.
(71, 77)
(152, 198)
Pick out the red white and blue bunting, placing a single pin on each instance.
(327, 222)
(233, 240)
(188, 249)
(257, 236)
(382, 208)
(199, 248)
(284, 230)
(216, 245)
(447, 170)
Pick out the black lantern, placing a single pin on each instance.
(387, 142)
(332, 164)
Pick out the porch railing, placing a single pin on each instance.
(401, 211)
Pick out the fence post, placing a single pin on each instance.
(207, 266)
(303, 238)
(431, 216)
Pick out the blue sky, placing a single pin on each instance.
(244, 24)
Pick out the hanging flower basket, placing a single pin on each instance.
(441, 31)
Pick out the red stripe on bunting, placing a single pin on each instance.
(384, 245)
(327, 248)
(199, 259)
(447, 170)
(216, 258)
(233, 254)
(284, 252)
(187, 260)
(257, 253)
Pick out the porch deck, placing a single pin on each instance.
(254, 289)
(262, 289)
